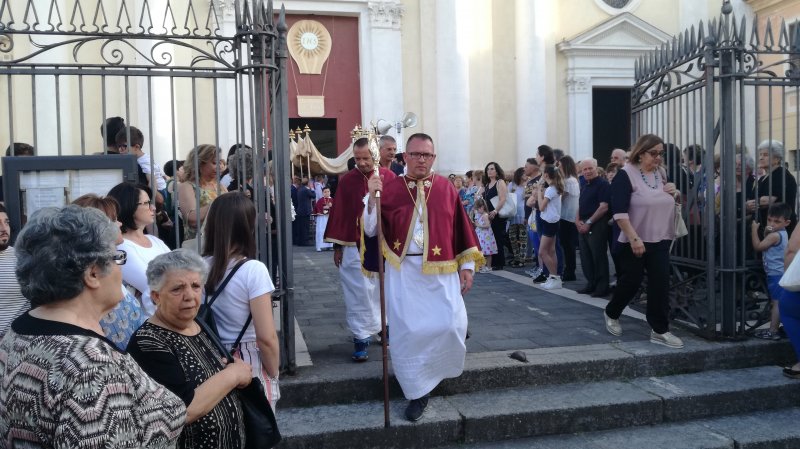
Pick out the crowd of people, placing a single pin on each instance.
(100, 277)
(102, 345)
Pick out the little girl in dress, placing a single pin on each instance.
(483, 229)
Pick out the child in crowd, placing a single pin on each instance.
(483, 228)
(549, 200)
(321, 210)
(773, 246)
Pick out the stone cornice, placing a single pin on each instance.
(386, 14)
(760, 5)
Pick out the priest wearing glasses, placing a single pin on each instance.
(432, 252)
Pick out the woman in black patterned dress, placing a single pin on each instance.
(175, 350)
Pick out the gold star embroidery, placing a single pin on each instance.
(397, 244)
(436, 250)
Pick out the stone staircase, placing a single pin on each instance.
(634, 394)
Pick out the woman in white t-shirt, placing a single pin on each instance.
(136, 211)
(549, 200)
(228, 239)
(567, 231)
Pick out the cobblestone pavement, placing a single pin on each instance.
(506, 312)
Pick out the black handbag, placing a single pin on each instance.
(205, 314)
(260, 427)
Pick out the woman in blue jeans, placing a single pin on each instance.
(789, 307)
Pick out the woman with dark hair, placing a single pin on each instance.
(121, 322)
(136, 211)
(643, 205)
(518, 225)
(495, 185)
(548, 197)
(63, 383)
(567, 232)
(246, 302)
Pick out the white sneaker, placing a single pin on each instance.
(666, 339)
(552, 282)
(485, 269)
(612, 326)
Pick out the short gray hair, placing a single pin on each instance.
(57, 246)
(386, 138)
(178, 260)
(589, 159)
(775, 148)
(242, 161)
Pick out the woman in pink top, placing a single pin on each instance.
(643, 204)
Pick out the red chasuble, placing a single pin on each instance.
(448, 239)
(319, 208)
(345, 225)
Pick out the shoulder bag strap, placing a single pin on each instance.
(235, 268)
(214, 339)
(241, 333)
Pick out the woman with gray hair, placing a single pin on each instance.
(173, 348)
(776, 186)
(63, 383)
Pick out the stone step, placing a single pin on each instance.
(773, 429)
(350, 382)
(503, 414)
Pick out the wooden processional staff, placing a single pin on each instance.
(374, 148)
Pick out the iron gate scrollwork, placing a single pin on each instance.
(185, 72)
(715, 93)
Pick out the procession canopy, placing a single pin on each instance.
(305, 155)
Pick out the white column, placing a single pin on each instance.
(452, 92)
(385, 47)
(226, 93)
(579, 96)
(531, 19)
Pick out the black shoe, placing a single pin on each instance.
(416, 408)
(568, 277)
(600, 294)
(586, 290)
(542, 278)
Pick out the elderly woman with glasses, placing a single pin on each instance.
(179, 353)
(643, 206)
(63, 383)
(136, 212)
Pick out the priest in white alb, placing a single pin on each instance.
(432, 252)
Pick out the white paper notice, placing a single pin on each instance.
(36, 199)
(98, 181)
(43, 179)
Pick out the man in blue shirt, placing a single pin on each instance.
(592, 224)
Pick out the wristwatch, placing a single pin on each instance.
(588, 221)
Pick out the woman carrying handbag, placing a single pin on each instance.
(229, 238)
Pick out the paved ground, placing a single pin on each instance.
(506, 312)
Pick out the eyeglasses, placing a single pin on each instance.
(120, 257)
(148, 203)
(655, 153)
(420, 156)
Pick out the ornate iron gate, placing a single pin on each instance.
(719, 91)
(185, 72)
